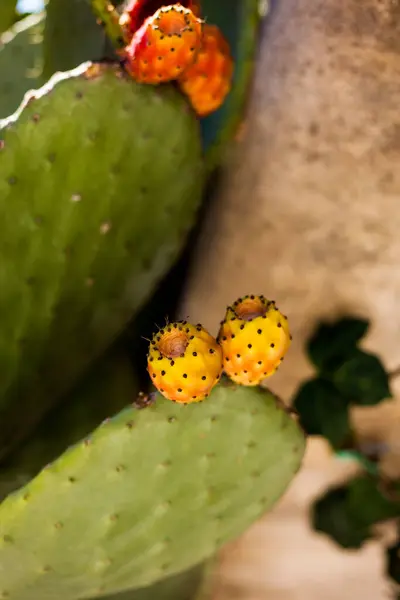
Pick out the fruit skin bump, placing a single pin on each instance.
(164, 46)
(254, 337)
(184, 362)
(208, 81)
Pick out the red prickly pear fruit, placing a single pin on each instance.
(184, 362)
(208, 81)
(164, 46)
(137, 11)
(194, 6)
(254, 337)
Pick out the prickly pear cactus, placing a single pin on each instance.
(20, 62)
(7, 13)
(100, 180)
(109, 386)
(152, 492)
(71, 36)
(187, 585)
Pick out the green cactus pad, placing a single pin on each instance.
(100, 180)
(7, 14)
(183, 586)
(20, 62)
(109, 386)
(152, 492)
(71, 36)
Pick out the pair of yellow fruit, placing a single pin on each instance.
(185, 362)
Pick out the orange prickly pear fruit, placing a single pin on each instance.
(254, 337)
(137, 11)
(208, 81)
(164, 46)
(184, 362)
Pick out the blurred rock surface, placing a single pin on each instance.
(309, 215)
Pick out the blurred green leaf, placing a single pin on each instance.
(363, 379)
(333, 340)
(369, 503)
(332, 516)
(323, 411)
(393, 562)
(348, 512)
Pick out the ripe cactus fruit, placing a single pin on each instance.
(150, 493)
(165, 45)
(254, 338)
(137, 11)
(89, 228)
(208, 81)
(184, 362)
(195, 6)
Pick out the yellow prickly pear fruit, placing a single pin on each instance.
(184, 362)
(254, 337)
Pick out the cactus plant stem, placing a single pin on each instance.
(108, 16)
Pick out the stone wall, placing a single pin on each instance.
(309, 215)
